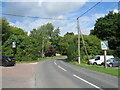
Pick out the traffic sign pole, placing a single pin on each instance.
(104, 46)
(105, 64)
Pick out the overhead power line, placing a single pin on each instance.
(51, 18)
(90, 8)
(34, 17)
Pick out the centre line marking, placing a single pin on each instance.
(62, 68)
(86, 81)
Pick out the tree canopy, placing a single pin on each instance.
(107, 28)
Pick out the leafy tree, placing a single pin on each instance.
(4, 27)
(55, 39)
(107, 28)
(50, 51)
(44, 37)
(92, 44)
(64, 43)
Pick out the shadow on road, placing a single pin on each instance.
(62, 59)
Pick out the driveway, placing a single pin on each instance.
(19, 76)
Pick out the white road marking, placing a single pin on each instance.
(86, 81)
(55, 63)
(59, 66)
(62, 68)
(79, 77)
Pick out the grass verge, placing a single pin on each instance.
(38, 60)
(110, 70)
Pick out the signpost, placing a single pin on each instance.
(14, 48)
(104, 46)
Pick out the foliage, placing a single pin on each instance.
(28, 47)
(107, 28)
(92, 44)
(64, 43)
(50, 51)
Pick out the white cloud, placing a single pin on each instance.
(115, 11)
(58, 0)
(29, 24)
(50, 9)
(42, 9)
(87, 23)
(96, 16)
(70, 27)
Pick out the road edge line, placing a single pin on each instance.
(86, 81)
(62, 68)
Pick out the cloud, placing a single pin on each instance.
(70, 27)
(115, 11)
(58, 0)
(87, 22)
(29, 24)
(60, 10)
(42, 9)
(96, 16)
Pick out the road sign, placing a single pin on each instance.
(104, 45)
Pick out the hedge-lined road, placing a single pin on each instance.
(56, 74)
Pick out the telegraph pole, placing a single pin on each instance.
(78, 40)
(43, 48)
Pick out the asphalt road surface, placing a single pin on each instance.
(55, 73)
(59, 74)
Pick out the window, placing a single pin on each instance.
(97, 58)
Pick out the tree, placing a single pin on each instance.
(45, 36)
(107, 28)
(4, 27)
(55, 39)
(92, 45)
(64, 43)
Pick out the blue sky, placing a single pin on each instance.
(61, 10)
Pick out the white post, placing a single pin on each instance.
(105, 59)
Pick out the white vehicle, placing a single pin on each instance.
(98, 60)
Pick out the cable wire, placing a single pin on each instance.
(90, 8)
(35, 17)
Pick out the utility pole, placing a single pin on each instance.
(43, 48)
(78, 40)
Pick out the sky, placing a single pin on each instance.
(68, 10)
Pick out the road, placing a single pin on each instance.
(55, 73)
(59, 74)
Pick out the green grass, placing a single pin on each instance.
(110, 70)
(38, 60)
